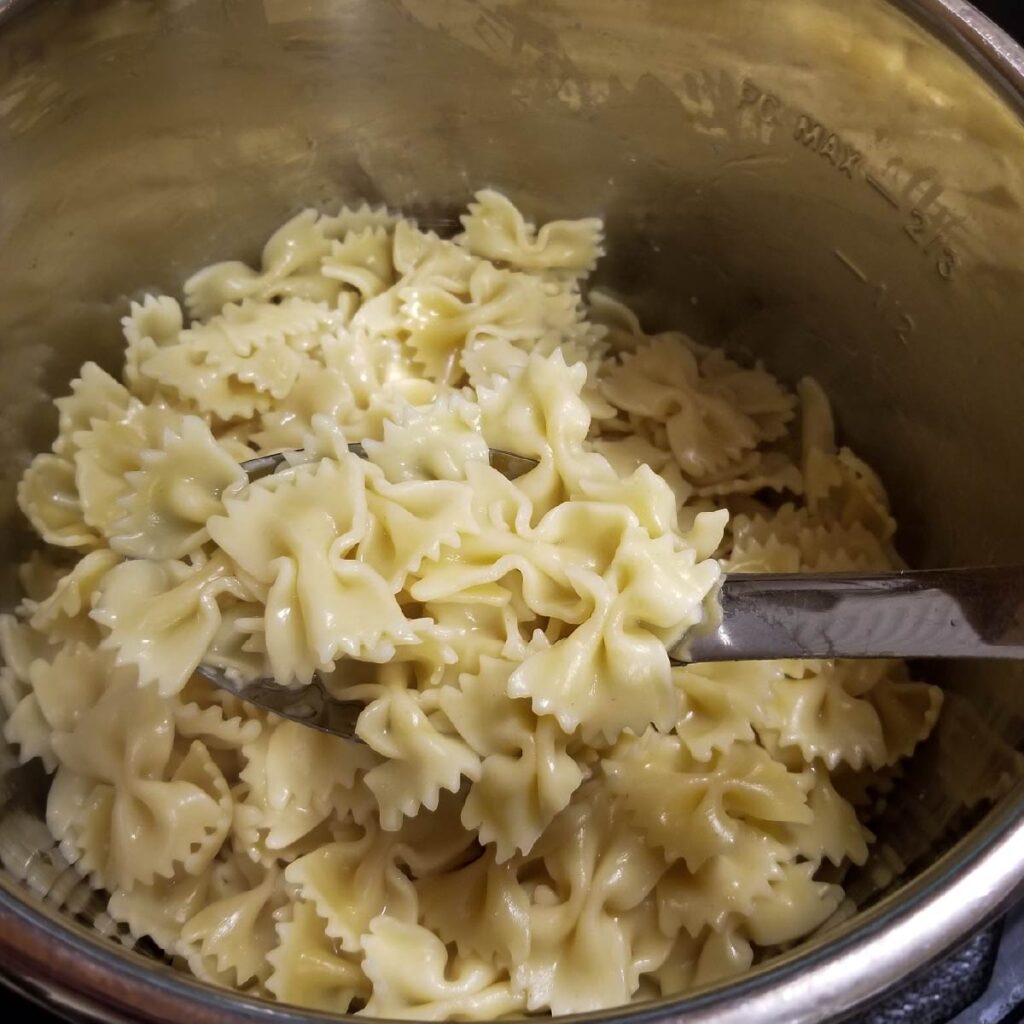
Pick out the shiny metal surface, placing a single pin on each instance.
(310, 705)
(507, 463)
(834, 186)
(938, 613)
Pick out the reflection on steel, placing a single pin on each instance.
(945, 613)
(941, 613)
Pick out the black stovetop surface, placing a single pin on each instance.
(1008, 13)
(980, 983)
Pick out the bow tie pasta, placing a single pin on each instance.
(540, 813)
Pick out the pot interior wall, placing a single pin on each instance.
(817, 183)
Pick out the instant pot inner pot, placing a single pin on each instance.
(816, 183)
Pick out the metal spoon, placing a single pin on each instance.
(934, 613)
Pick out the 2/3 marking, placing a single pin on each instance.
(927, 221)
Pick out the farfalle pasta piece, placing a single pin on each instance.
(432, 442)
(291, 262)
(907, 711)
(792, 537)
(109, 451)
(752, 389)
(353, 880)
(487, 358)
(820, 717)
(177, 488)
(220, 720)
(695, 810)
(537, 411)
(612, 672)
(231, 938)
(705, 432)
(290, 268)
(204, 388)
(645, 494)
(318, 391)
(420, 760)
(49, 499)
(599, 868)
(471, 630)
(21, 645)
(494, 229)
(160, 910)
(504, 544)
(95, 395)
(794, 907)
(304, 766)
(840, 487)
(423, 254)
(482, 908)
(157, 317)
(724, 888)
(365, 870)
(498, 304)
(295, 779)
(588, 967)
(361, 261)
(162, 616)
(720, 702)
(219, 727)
(59, 692)
(621, 325)
(713, 956)
(648, 945)
(295, 536)
(237, 364)
(378, 372)
(410, 521)
(25, 726)
(245, 339)
(237, 643)
(308, 970)
(765, 471)
(629, 453)
(834, 833)
(64, 614)
(150, 324)
(357, 218)
(414, 977)
(526, 774)
(574, 535)
(116, 803)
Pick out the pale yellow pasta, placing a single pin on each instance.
(494, 229)
(539, 813)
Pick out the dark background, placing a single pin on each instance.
(1008, 13)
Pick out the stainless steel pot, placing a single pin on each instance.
(836, 186)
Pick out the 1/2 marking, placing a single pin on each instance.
(894, 314)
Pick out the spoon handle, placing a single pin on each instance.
(934, 613)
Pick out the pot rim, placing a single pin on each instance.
(70, 969)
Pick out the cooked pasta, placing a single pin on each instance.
(540, 813)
